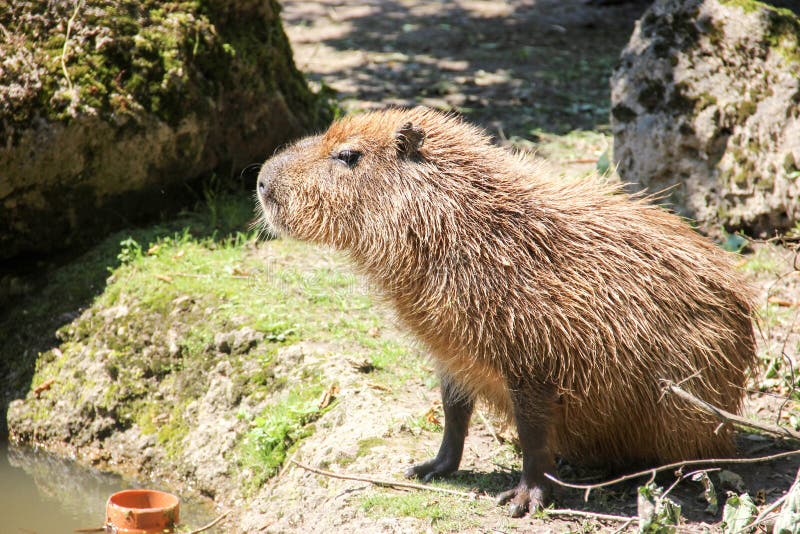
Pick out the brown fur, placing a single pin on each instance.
(505, 269)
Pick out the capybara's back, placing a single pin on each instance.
(636, 298)
(565, 303)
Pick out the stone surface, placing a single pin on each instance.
(107, 127)
(706, 105)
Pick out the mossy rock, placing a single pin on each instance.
(725, 119)
(109, 108)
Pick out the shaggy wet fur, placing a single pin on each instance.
(510, 273)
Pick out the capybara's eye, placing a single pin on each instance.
(348, 157)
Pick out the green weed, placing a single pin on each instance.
(275, 433)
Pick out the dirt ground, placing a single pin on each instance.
(534, 74)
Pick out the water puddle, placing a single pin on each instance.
(43, 494)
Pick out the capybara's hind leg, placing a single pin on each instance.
(457, 411)
(533, 414)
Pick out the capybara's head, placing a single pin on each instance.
(363, 173)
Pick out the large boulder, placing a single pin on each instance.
(706, 106)
(109, 107)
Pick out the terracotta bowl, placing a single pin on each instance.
(143, 511)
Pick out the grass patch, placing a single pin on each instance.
(764, 261)
(155, 302)
(275, 433)
(572, 146)
(367, 444)
(444, 513)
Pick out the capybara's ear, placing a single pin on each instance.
(409, 139)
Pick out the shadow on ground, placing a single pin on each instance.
(511, 66)
(764, 481)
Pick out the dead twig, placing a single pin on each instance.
(472, 496)
(212, 524)
(208, 276)
(728, 417)
(592, 515)
(489, 427)
(674, 465)
(684, 477)
(386, 483)
(626, 525)
(790, 363)
(286, 466)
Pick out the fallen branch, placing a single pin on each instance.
(386, 483)
(728, 417)
(209, 276)
(471, 496)
(625, 525)
(489, 427)
(593, 515)
(675, 465)
(211, 525)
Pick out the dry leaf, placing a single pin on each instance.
(781, 302)
(328, 396)
(164, 278)
(431, 417)
(44, 386)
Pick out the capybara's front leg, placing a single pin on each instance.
(533, 414)
(457, 411)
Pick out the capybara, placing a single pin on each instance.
(565, 303)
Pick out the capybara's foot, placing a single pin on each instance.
(523, 498)
(435, 468)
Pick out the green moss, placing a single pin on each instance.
(705, 100)
(790, 164)
(765, 182)
(166, 422)
(740, 180)
(169, 59)
(366, 445)
(783, 32)
(744, 110)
